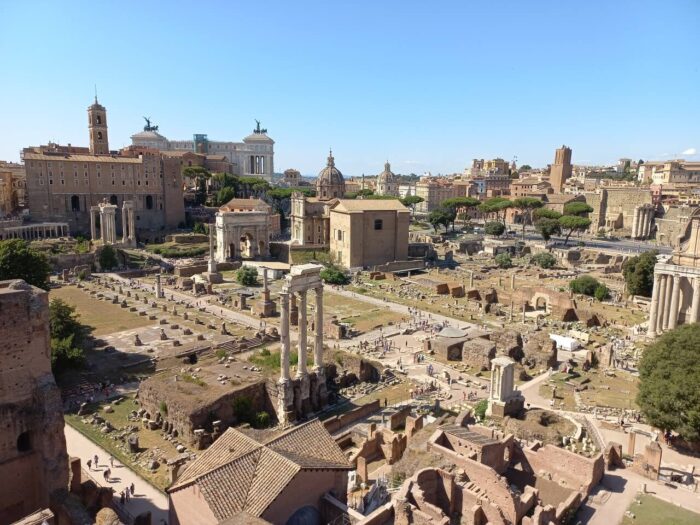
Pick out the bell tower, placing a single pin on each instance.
(97, 125)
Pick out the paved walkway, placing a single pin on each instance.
(146, 496)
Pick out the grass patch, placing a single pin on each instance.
(270, 361)
(102, 316)
(175, 250)
(652, 511)
(308, 256)
(189, 378)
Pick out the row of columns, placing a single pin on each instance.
(641, 221)
(108, 225)
(666, 302)
(36, 231)
(302, 330)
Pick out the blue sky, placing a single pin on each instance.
(427, 85)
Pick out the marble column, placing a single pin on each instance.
(132, 225)
(284, 336)
(675, 302)
(654, 309)
(301, 366)
(663, 306)
(695, 308)
(318, 347)
(125, 234)
(102, 227)
(635, 223)
(667, 301)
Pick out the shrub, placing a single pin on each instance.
(163, 407)
(199, 228)
(585, 285)
(544, 260)
(262, 420)
(243, 409)
(503, 260)
(108, 258)
(334, 275)
(220, 353)
(494, 228)
(480, 409)
(601, 292)
(247, 276)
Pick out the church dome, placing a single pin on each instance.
(330, 183)
(387, 175)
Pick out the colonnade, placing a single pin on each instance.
(667, 299)
(303, 328)
(30, 232)
(299, 281)
(642, 221)
(108, 226)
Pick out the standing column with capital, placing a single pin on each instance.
(93, 226)
(662, 307)
(675, 302)
(653, 311)
(667, 301)
(318, 347)
(301, 366)
(132, 225)
(635, 222)
(125, 233)
(284, 337)
(102, 226)
(695, 308)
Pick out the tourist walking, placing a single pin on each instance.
(132, 489)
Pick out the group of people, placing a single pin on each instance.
(126, 494)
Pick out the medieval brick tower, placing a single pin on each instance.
(97, 124)
(33, 458)
(561, 169)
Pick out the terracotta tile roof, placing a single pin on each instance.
(238, 474)
(245, 204)
(350, 205)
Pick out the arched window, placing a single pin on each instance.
(149, 202)
(113, 200)
(99, 135)
(98, 118)
(75, 203)
(24, 442)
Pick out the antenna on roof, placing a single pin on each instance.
(95, 93)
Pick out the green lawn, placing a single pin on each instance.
(653, 511)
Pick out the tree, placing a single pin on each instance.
(440, 217)
(199, 228)
(224, 195)
(459, 203)
(544, 260)
(494, 228)
(247, 275)
(585, 285)
(573, 223)
(547, 228)
(525, 167)
(526, 205)
(225, 180)
(334, 275)
(67, 336)
(108, 257)
(639, 273)
(580, 209)
(494, 206)
(410, 201)
(669, 387)
(19, 261)
(503, 260)
(545, 213)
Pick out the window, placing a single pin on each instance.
(113, 200)
(339, 235)
(99, 135)
(378, 224)
(24, 442)
(99, 119)
(75, 203)
(149, 202)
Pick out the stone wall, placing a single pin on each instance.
(566, 468)
(33, 458)
(186, 419)
(67, 261)
(335, 423)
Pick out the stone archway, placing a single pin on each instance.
(246, 245)
(540, 302)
